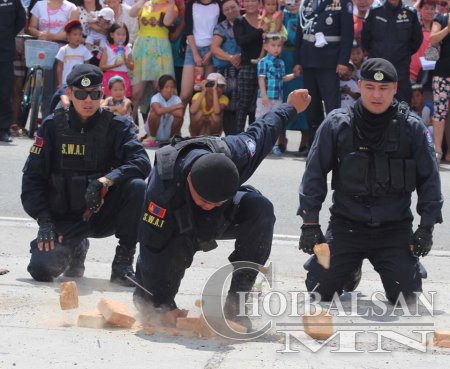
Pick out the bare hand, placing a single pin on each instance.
(297, 70)
(341, 69)
(207, 59)
(299, 99)
(198, 60)
(235, 60)
(44, 36)
(265, 101)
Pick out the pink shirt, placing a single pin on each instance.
(416, 66)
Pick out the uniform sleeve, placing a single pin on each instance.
(21, 17)
(130, 152)
(417, 35)
(313, 187)
(248, 149)
(36, 173)
(429, 197)
(347, 32)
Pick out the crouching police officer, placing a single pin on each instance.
(84, 178)
(195, 196)
(379, 153)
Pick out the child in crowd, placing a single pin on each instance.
(71, 54)
(357, 58)
(117, 58)
(349, 87)
(104, 20)
(273, 16)
(271, 75)
(166, 113)
(423, 109)
(207, 107)
(117, 103)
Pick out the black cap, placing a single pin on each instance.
(85, 76)
(215, 177)
(378, 70)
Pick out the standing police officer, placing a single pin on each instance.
(12, 20)
(379, 153)
(84, 177)
(323, 47)
(195, 196)
(392, 31)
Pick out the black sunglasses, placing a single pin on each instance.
(83, 94)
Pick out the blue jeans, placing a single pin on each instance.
(189, 57)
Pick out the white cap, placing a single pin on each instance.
(217, 77)
(106, 14)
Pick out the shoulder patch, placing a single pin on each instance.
(251, 146)
(38, 144)
(428, 137)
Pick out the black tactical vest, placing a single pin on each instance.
(362, 172)
(79, 156)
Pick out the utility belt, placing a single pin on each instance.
(342, 220)
(66, 194)
(312, 38)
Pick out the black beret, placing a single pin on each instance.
(215, 177)
(378, 70)
(85, 76)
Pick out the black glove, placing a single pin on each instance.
(92, 195)
(311, 234)
(46, 232)
(422, 240)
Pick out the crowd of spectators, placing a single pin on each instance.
(220, 59)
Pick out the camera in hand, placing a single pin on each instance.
(210, 84)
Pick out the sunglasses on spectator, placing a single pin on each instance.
(83, 94)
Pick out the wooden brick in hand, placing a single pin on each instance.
(116, 313)
(68, 295)
(442, 339)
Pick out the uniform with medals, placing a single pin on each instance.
(324, 40)
(66, 157)
(395, 34)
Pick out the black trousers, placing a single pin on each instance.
(119, 215)
(6, 92)
(404, 92)
(323, 85)
(247, 86)
(386, 247)
(161, 271)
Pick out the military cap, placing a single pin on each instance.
(378, 70)
(215, 177)
(85, 76)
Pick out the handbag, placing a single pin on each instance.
(432, 52)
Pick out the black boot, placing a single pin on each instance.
(354, 280)
(242, 281)
(123, 266)
(76, 265)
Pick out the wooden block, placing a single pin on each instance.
(203, 330)
(91, 319)
(68, 295)
(116, 313)
(319, 327)
(199, 303)
(167, 331)
(187, 324)
(262, 269)
(169, 318)
(322, 251)
(442, 339)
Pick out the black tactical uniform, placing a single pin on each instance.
(173, 228)
(65, 158)
(12, 20)
(394, 34)
(370, 215)
(333, 18)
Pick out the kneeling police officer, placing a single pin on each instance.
(379, 153)
(84, 177)
(195, 196)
